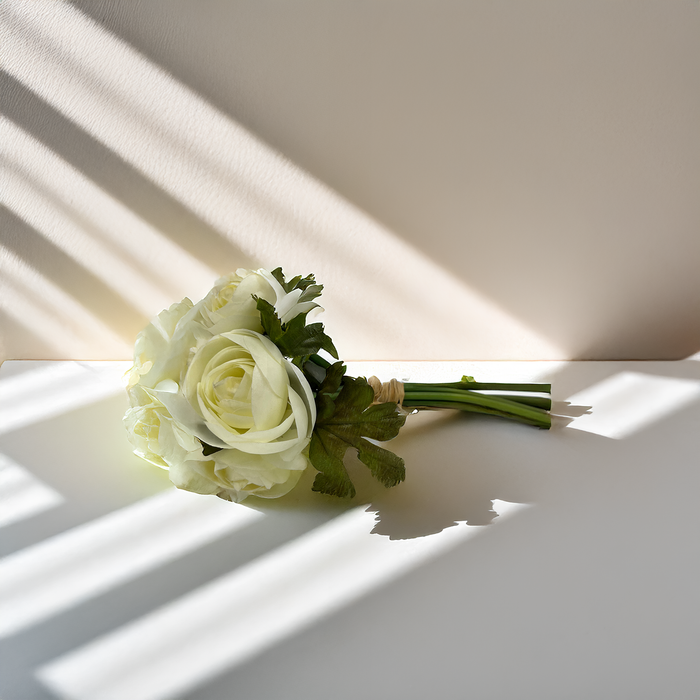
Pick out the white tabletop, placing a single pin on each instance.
(512, 563)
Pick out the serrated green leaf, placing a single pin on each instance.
(294, 339)
(268, 317)
(305, 282)
(333, 479)
(297, 282)
(345, 421)
(311, 292)
(333, 379)
(299, 339)
(385, 466)
(279, 276)
(330, 386)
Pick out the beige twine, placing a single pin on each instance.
(387, 391)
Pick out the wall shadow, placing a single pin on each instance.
(117, 177)
(480, 135)
(49, 260)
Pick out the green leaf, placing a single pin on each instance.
(294, 339)
(330, 387)
(313, 372)
(270, 320)
(279, 276)
(345, 420)
(326, 454)
(311, 292)
(296, 282)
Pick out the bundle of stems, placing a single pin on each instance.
(524, 403)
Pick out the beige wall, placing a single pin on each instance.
(470, 180)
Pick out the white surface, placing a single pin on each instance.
(585, 586)
(512, 179)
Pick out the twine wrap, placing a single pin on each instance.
(387, 391)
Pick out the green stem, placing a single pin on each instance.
(468, 401)
(481, 386)
(540, 422)
(543, 402)
(465, 396)
(318, 360)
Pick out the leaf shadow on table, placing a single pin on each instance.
(458, 464)
(454, 472)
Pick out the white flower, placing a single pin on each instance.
(230, 305)
(203, 373)
(231, 300)
(157, 438)
(163, 347)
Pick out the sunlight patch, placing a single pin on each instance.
(22, 495)
(627, 402)
(226, 622)
(55, 388)
(61, 572)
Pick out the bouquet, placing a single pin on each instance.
(235, 396)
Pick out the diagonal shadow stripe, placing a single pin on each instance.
(22, 337)
(108, 170)
(62, 204)
(45, 257)
(26, 651)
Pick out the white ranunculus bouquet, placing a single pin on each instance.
(231, 396)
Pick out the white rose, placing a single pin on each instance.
(156, 344)
(231, 301)
(203, 372)
(230, 304)
(157, 438)
(238, 394)
(163, 347)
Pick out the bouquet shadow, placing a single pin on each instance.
(456, 468)
(457, 465)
